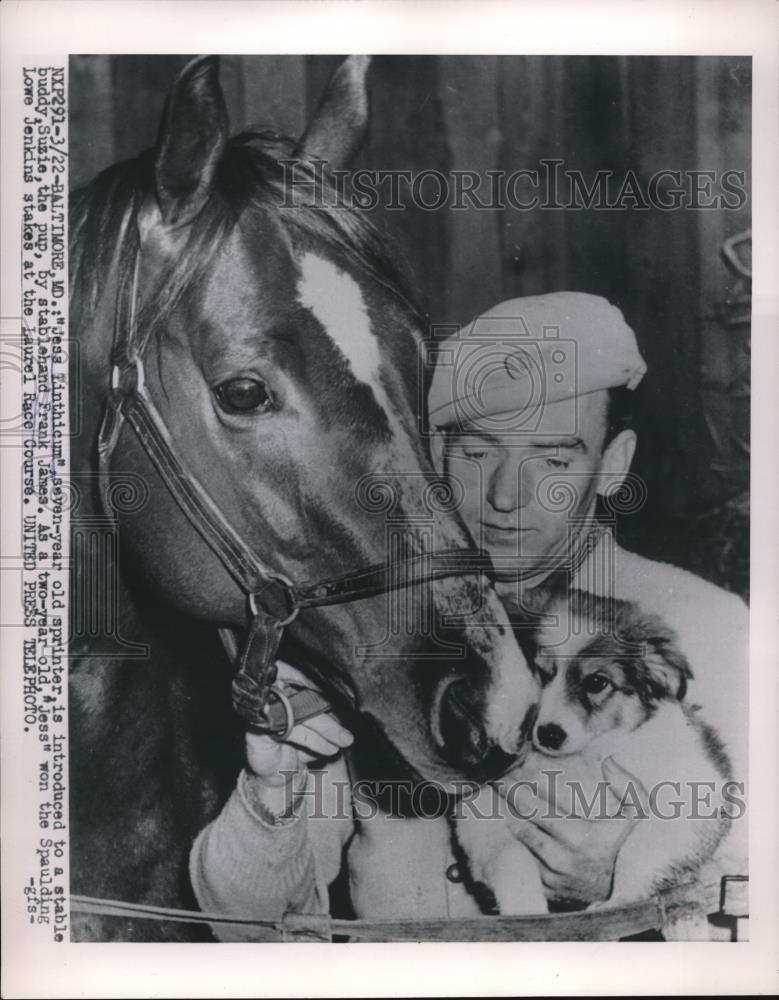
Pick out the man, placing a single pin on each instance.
(527, 411)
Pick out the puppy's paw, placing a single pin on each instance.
(515, 881)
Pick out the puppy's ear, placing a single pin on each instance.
(656, 666)
(666, 668)
(668, 677)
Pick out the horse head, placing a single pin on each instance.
(281, 353)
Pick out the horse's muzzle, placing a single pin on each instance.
(460, 734)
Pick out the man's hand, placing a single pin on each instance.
(273, 765)
(577, 855)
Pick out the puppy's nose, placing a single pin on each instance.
(551, 736)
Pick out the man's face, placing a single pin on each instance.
(523, 491)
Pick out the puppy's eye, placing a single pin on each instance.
(597, 687)
(244, 395)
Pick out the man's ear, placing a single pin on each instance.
(616, 461)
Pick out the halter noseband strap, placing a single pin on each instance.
(274, 601)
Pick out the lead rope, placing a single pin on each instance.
(255, 692)
(606, 923)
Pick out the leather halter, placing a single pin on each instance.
(273, 600)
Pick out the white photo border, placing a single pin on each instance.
(55, 28)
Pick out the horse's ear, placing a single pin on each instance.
(338, 128)
(192, 138)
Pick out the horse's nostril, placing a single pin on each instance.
(526, 729)
(459, 733)
(461, 736)
(493, 765)
(551, 736)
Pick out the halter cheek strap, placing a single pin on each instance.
(273, 600)
(269, 593)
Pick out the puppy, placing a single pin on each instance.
(613, 683)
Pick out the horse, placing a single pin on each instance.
(247, 368)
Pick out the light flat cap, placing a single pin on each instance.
(529, 352)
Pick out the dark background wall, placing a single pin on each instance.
(665, 269)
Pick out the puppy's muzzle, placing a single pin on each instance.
(550, 736)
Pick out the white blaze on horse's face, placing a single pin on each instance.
(335, 299)
(337, 302)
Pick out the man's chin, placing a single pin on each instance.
(509, 565)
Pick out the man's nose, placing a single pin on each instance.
(505, 492)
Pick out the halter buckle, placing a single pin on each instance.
(121, 384)
(276, 599)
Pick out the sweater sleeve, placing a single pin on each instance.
(247, 865)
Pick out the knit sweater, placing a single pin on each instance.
(248, 865)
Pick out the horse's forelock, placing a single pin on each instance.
(250, 182)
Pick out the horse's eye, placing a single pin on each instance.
(244, 395)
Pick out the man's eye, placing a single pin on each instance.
(557, 463)
(478, 453)
(244, 395)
